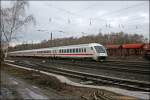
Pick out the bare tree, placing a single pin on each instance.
(13, 19)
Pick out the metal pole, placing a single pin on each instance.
(51, 39)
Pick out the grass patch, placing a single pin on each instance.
(34, 77)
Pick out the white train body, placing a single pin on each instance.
(93, 50)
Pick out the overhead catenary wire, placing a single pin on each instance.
(74, 14)
(121, 10)
(92, 19)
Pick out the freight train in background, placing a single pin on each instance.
(129, 50)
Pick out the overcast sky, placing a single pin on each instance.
(78, 18)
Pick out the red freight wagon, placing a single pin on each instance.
(113, 50)
(132, 46)
(112, 46)
(132, 49)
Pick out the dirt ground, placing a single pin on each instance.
(22, 84)
(13, 87)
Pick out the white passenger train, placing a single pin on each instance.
(93, 51)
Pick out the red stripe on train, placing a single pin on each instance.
(71, 54)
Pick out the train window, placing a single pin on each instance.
(73, 50)
(84, 49)
(99, 49)
(67, 50)
(70, 50)
(79, 49)
(91, 48)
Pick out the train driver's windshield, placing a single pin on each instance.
(99, 49)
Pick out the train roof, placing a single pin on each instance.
(62, 47)
(113, 46)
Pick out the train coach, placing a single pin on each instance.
(93, 51)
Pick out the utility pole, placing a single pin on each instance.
(51, 39)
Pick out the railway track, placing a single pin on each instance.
(115, 63)
(131, 68)
(132, 64)
(141, 64)
(96, 79)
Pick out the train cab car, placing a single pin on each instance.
(100, 53)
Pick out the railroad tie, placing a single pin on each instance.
(84, 97)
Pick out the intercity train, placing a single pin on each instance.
(93, 51)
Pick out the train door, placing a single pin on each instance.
(93, 52)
